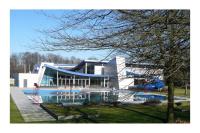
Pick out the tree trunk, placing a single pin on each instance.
(171, 64)
(170, 109)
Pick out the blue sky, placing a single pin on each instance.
(23, 26)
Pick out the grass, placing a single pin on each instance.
(181, 92)
(177, 92)
(60, 111)
(15, 116)
(110, 114)
(121, 114)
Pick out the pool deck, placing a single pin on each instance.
(29, 111)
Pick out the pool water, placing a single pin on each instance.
(146, 97)
(47, 92)
(67, 96)
(73, 96)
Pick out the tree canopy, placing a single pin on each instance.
(142, 35)
(154, 36)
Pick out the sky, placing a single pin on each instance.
(23, 31)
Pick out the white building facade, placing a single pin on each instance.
(115, 73)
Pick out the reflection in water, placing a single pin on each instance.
(80, 97)
(74, 97)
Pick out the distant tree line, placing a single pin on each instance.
(24, 62)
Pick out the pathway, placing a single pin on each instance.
(29, 111)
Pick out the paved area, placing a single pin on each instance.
(29, 111)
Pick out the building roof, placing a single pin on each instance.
(82, 63)
(95, 61)
(74, 73)
(65, 65)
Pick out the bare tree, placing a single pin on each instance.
(160, 37)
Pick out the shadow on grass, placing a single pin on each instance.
(85, 116)
(142, 113)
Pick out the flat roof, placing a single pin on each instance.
(89, 61)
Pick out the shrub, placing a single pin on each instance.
(178, 103)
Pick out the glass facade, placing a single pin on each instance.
(53, 77)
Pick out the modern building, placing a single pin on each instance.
(115, 73)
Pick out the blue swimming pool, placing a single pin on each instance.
(65, 96)
(47, 92)
(151, 97)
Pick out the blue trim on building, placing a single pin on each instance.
(75, 73)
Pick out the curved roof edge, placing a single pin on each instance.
(74, 73)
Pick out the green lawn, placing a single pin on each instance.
(177, 92)
(120, 114)
(15, 116)
(181, 92)
(110, 114)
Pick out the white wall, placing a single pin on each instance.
(98, 70)
(31, 79)
(126, 82)
(121, 72)
(111, 70)
(116, 69)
